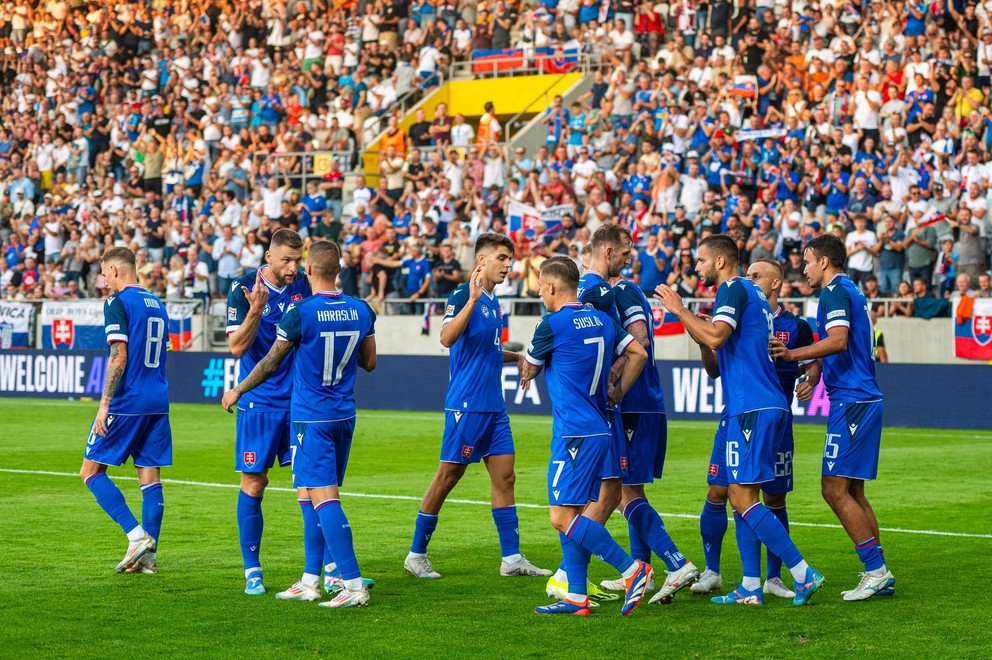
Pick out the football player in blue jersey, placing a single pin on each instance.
(133, 418)
(334, 334)
(854, 428)
(604, 258)
(577, 344)
(795, 331)
(756, 412)
(476, 425)
(645, 432)
(256, 304)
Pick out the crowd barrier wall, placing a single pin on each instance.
(928, 396)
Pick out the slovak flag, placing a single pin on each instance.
(973, 333)
(665, 323)
(745, 87)
(63, 333)
(523, 216)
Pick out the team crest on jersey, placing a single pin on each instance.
(268, 308)
(296, 297)
(783, 337)
(714, 469)
(467, 451)
(485, 311)
(249, 459)
(623, 463)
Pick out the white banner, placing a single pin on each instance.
(743, 136)
(15, 323)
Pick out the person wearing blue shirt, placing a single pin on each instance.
(645, 429)
(786, 183)
(652, 263)
(271, 105)
(854, 428)
(476, 425)
(756, 412)
(336, 334)
(556, 118)
(836, 184)
(794, 332)
(313, 206)
(578, 345)
(133, 418)
(256, 303)
(576, 129)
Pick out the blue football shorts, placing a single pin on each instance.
(145, 438)
(260, 439)
(780, 485)
(471, 436)
(320, 452)
(575, 468)
(854, 437)
(646, 435)
(615, 461)
(750, 447)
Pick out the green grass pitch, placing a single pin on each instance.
(61, 598)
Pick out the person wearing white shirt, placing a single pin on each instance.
(461, 133)
(272, 198)
(583, 171)
(862, 245)
(866, 105)
(694, 187)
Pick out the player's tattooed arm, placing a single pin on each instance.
(265, 368)
(115, 372)
(639, 331)
(528, 372)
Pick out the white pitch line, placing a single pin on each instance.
(522, 505)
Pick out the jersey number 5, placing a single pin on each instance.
(333, 372)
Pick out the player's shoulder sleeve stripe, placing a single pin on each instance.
(623, 344)
(116, 337)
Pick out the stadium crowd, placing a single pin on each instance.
(162, 127)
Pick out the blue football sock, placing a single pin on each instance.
(111, 500)
(337, 534)
(422, 532)
(313, 539)
(576, 562)
(593, 537)
(749, 547)
(508, 529)
(713, 527)
(638, 548)
(250, 528)
(771, 532)
(328, 557)
(152, 508)
(774, 567)
(870, 555)
(641, 516)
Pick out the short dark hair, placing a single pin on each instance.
(831, 247)
(491, 241)
(722, 245)
(562, 269)
(774, 264)
(119, 255)
(287, 238)
(609, 235)
(324, 257)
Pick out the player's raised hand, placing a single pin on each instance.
(475, 284)
(779, 351)
(230, 400)
(667, 297)
(259, 295)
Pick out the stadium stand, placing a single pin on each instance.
(191, 131)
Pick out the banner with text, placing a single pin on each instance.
(72, 325)
(409, 382)
(15, 324)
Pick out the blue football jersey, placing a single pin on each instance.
(476, 359)
(794, 332)
(576, 345)
(273, 394)
(646, 395)
(596, 291)
(850, 375)
(138, 318)
(747, 373)
(327, 329)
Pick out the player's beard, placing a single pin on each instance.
(709, 277)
